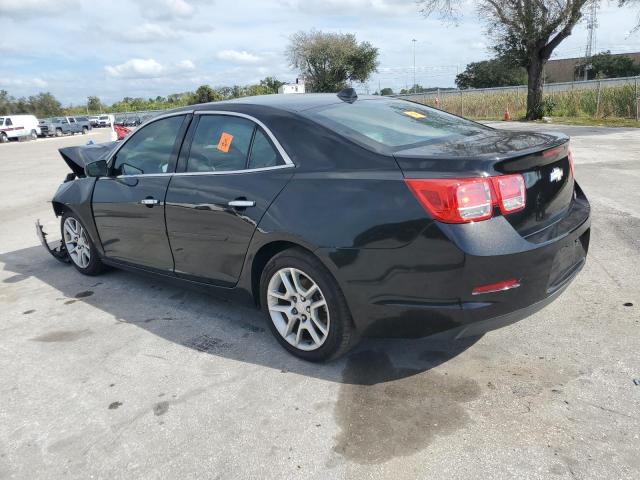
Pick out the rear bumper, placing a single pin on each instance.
(425, 288)
(480, 327)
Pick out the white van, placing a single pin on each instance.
(14, 126)
(105, 120)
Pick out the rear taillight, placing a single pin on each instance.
(511, 192)
(462, 200)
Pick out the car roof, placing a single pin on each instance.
(293, 102)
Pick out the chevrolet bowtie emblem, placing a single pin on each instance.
(556, 174)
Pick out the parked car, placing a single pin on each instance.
(105, 120)
(94, 120)
(17, 126)
(59, 126)
(84, 124)
(338, 216)
(132, 121)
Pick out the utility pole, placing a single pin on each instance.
(592, 24)
(414, 65)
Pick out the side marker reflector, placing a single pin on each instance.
(496, 287)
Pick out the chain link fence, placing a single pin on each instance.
(605, 98)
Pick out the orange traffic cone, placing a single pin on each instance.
(507, 115)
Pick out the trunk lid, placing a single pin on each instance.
(541, 158)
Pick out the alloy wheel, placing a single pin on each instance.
(298, 309)
(77, 242)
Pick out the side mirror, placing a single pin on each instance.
(96, 169)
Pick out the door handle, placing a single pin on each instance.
(149, 202)
(241, 203)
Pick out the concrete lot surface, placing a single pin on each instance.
(122, 376)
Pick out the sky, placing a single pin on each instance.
(118, 48)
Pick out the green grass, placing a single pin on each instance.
(612, 107)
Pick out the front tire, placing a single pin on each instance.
(3, 138)
(58, 132)
(80, 248)
(305, 308)
(34, 135)
(85, 130)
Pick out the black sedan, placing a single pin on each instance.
(338, 216)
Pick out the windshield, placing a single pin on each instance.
(1, 120)
(390, 124)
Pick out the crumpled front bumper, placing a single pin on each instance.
(57, 248)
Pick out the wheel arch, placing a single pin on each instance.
(262, 256)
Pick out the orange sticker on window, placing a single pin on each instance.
(225, 142)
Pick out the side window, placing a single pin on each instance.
(150, 149)
(8, 122)
(72, 120)
(220, 143)
(263, 154)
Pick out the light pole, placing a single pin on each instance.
(414, 65)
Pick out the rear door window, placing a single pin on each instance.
(263, 153)
(8, 122)
(220, 143)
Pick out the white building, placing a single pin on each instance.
(297, 87)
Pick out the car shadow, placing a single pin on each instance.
(217, 326)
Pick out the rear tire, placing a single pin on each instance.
(3, 138)
(81, 250)
(292, 282)
(34, 135)
(58, 132)
(85, 130)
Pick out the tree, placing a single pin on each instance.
(205, 94)
(386, 91)
(271, 84)
(524, 31)
(623, 3)
(327, 61)
(94, 104)
(497, 72)
(42, 105)
(6, 103)
(605, 65)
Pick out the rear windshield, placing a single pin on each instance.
(392, 125)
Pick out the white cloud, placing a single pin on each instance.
(236, 56)
(9, 82)
(148, 68)
(354, 7)
(24, 8)
(186, 65)
(150, 32)
(167, 9)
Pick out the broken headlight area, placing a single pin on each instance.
(55, 248)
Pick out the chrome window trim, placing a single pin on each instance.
(285, 157)
(191, 174)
